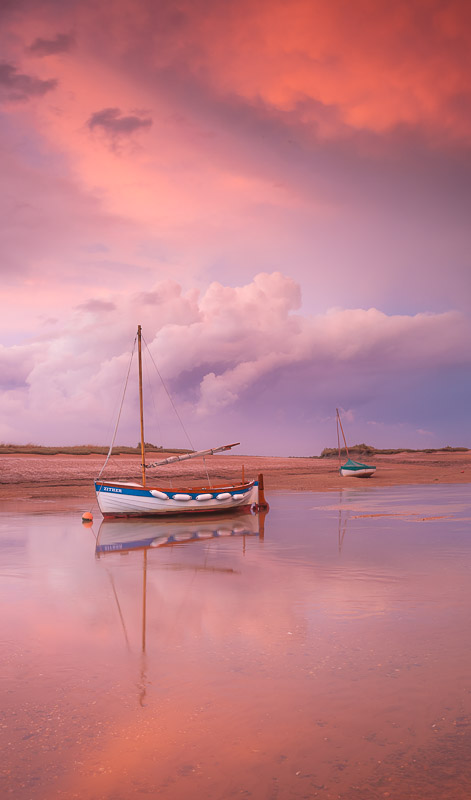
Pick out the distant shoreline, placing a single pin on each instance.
(82, 450)
(91, 449)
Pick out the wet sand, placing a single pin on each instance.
(60, 477)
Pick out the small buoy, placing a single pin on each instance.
(87, 516)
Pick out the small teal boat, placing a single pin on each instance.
(355, 469)
(351, 468)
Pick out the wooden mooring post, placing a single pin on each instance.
(262, 503)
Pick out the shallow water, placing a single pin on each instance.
(326, 656)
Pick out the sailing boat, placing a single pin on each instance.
(351, 468)
(125, 499)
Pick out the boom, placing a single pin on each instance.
(173, 459)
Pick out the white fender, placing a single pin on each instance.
(181, 497)
(223, 496)
(204, 496)
(159, 495)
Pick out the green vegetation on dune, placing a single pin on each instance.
(368, 450)
(84, 450)
(360, 450)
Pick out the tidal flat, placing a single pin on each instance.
(321, 650)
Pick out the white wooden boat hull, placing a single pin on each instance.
(126, 499)
(357, 473)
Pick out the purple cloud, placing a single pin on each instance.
(62, 43)
(246, 357)
(17, 86)
(114, 123)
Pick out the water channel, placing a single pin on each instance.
(322, 650)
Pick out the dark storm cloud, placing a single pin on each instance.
(62, 43)
(113, 122)
(16, 86)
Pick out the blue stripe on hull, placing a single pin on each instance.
(122, 490)
(99, 487)
(125, 490)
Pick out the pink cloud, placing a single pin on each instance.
(213, 350)
(230, 175)
(377, 66)
(196, 169)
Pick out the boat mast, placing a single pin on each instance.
(341, 428)
(141, 405)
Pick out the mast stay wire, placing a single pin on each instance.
(154, 406)
(175, 409)
(150, 393)
(120, 409)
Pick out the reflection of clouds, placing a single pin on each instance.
(293, 657)
(399, 502)
(235, 589)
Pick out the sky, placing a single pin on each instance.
(278, 192)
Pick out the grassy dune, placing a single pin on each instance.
(359, 450)
(367, 450)
(83, 450)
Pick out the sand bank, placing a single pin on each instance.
(32, 478)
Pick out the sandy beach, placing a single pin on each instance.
(31, 479)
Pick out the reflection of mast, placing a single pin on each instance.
(342, 530)
(144, 593)
(119, 610)
(143, 691)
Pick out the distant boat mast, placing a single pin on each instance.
(339, 423)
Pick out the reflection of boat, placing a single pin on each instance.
(117, 498)
(127, 534)
(351, 468)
